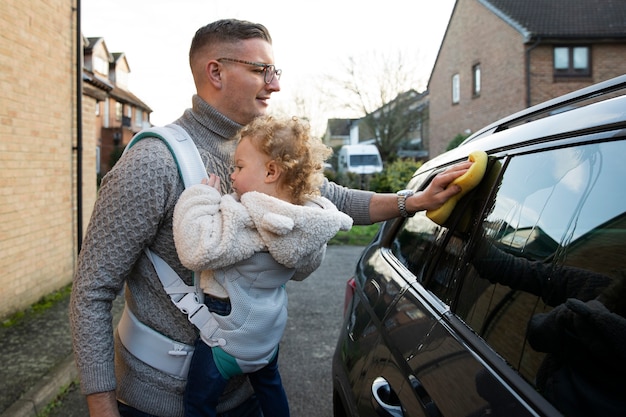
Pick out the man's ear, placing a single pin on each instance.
(273, 172)
(214, 73)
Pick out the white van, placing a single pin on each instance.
(359, 159)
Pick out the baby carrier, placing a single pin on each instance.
(143, 342)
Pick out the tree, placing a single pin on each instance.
(383, 90)
(393, 123)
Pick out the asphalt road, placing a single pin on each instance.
(315, 317)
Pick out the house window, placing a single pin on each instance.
(119, 111)
(100, 65)
(138, 117)
(97, 159)
(456, 88)
(107, 113)
(476, 80)
(572, 61)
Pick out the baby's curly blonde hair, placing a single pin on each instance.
(300, 156)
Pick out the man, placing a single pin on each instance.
(232, 65)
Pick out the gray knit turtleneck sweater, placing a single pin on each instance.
(134, 210)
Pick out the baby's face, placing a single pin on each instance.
(250, 169)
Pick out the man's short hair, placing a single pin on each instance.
(227, 31)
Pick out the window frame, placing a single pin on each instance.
(571, 70)
(476, 80)
(138, 116)
(456, 88)
(119, 111)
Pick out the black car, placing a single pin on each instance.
(514, 306)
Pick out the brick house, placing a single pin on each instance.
(500, 56)
(341, 132)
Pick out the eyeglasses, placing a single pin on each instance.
(268, 70)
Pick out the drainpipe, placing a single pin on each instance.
(79, 130)
(528, 51)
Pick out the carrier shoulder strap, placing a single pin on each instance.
(183, 149)
(187, 298)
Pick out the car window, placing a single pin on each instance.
(415, 243)
(429, 251)
(547, 261)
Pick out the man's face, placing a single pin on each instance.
(245, 94)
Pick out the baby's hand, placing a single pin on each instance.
(212, 181)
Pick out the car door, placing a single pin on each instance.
(428, 363)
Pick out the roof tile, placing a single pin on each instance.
(567, 18)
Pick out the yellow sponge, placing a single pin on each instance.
(466, 181)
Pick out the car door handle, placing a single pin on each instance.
(429, 405)
(385, 401)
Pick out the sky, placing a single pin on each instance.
(309, 39)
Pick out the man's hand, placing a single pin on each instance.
(385, 206)
(438, 192)
(466, 182)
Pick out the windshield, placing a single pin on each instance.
(360, 160)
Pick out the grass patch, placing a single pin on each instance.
(357, 236)
(42, 305)
(58, 401)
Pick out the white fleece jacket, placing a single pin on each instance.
(213, 231)
(225, 239)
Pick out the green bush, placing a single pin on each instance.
(395, 176)
(456, 141)
(331, 175)
(352, 180)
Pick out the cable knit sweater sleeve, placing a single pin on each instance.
(212, 231)
(355, 203)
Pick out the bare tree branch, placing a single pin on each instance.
(382, 88)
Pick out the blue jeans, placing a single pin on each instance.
(205, 384)
(250, 408)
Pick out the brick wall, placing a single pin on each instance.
(37, 160)
(607, 61)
